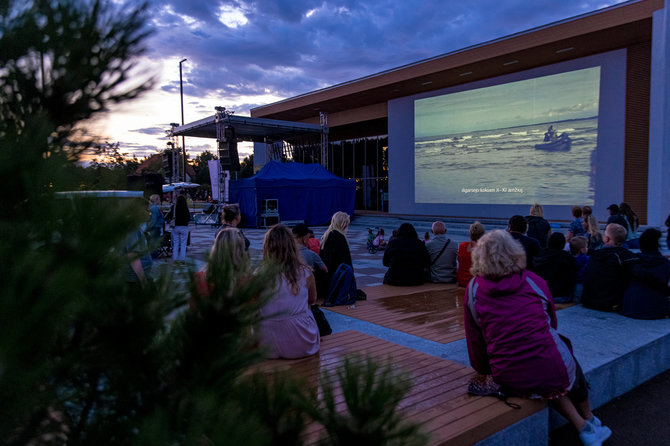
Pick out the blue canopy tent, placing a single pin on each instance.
(305, 192)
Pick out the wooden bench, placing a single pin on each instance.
(438, 397)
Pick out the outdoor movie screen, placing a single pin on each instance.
(524, 142)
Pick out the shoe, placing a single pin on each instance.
(595, 421)
(593, 435)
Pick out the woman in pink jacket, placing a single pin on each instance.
(510, 326)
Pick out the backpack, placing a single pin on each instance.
(342, 288)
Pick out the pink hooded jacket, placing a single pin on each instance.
(510, 327)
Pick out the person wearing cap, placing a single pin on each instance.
(616, 217)
(302, 235)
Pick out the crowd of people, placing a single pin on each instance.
(513, 279)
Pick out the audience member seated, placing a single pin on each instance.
(231, 217)
(577, 225)
(586, 211)
(288, 329)
(648, 295)
(616, 217)
(442, 255)
(538, 227)
(407, 258)
(632, 222)
(558, 268)
(511, 334)
(608, 271)
(370, 242)
(313, 243)
(227, 251)
(579, 249)
(517, 228)
(464, 255)
(334, 247)
(311, 259)
(593, 234)
(379, 241)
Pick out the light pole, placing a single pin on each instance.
(181, 94)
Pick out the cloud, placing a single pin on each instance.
(151, 131)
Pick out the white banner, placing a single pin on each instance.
(215, 179)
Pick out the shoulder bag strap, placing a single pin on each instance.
(443, 248)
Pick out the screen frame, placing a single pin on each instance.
(609, 156)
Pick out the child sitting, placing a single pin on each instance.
(370, 244)
(579, 248)
(558, 268)
(379, 241)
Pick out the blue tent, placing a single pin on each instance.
(305, 192)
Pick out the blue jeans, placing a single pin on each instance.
(179, 239)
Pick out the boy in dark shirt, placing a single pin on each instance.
(557, 267)
(579, 248)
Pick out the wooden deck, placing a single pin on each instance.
(432, 311)
(438, 396)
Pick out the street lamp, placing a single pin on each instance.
(181, 94)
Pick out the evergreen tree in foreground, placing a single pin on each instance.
(86, 358)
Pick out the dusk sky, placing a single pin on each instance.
(243, 54)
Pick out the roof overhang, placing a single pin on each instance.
(250, 129)
(365, 99)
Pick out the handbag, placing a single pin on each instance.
(483, 385)
(321, 321)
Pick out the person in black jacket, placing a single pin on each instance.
(334, 249)
(647, 296)
(538, 227)
(608, 272)
(517, 227)
(181, 217)
(407, 258)
(558, 268)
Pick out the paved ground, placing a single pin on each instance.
(637, 418)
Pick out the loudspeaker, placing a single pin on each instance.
(228, 156)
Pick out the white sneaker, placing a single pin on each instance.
(593, 435)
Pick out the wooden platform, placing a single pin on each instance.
(433, 311)
(438, 397)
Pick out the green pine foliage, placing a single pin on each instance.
(87, 357)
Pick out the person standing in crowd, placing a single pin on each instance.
(511, 334)
(608, 272)
(155, 226)
(517, 228)
(181, 217)
(288, 329)
(464, 255)
(538, 227)
(231, 217)
(648, 295)
(407, 258)
(442, 254)
(139, 264)
(577, 225)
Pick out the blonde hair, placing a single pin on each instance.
(279, 246)
(496, 255)
(592, 225)
(155, 199)
(229, 249)
(616, 232)
(577, 244)
(339, 223)
(536, 210)
(476, 231)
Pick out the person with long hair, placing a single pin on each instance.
(464, 255)
(593, 234)
(227, 253)
(334, 247)
(511, 334)
(288, 329)
(407, 258)
(182, 216)
(633, 223)
(538, 227)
